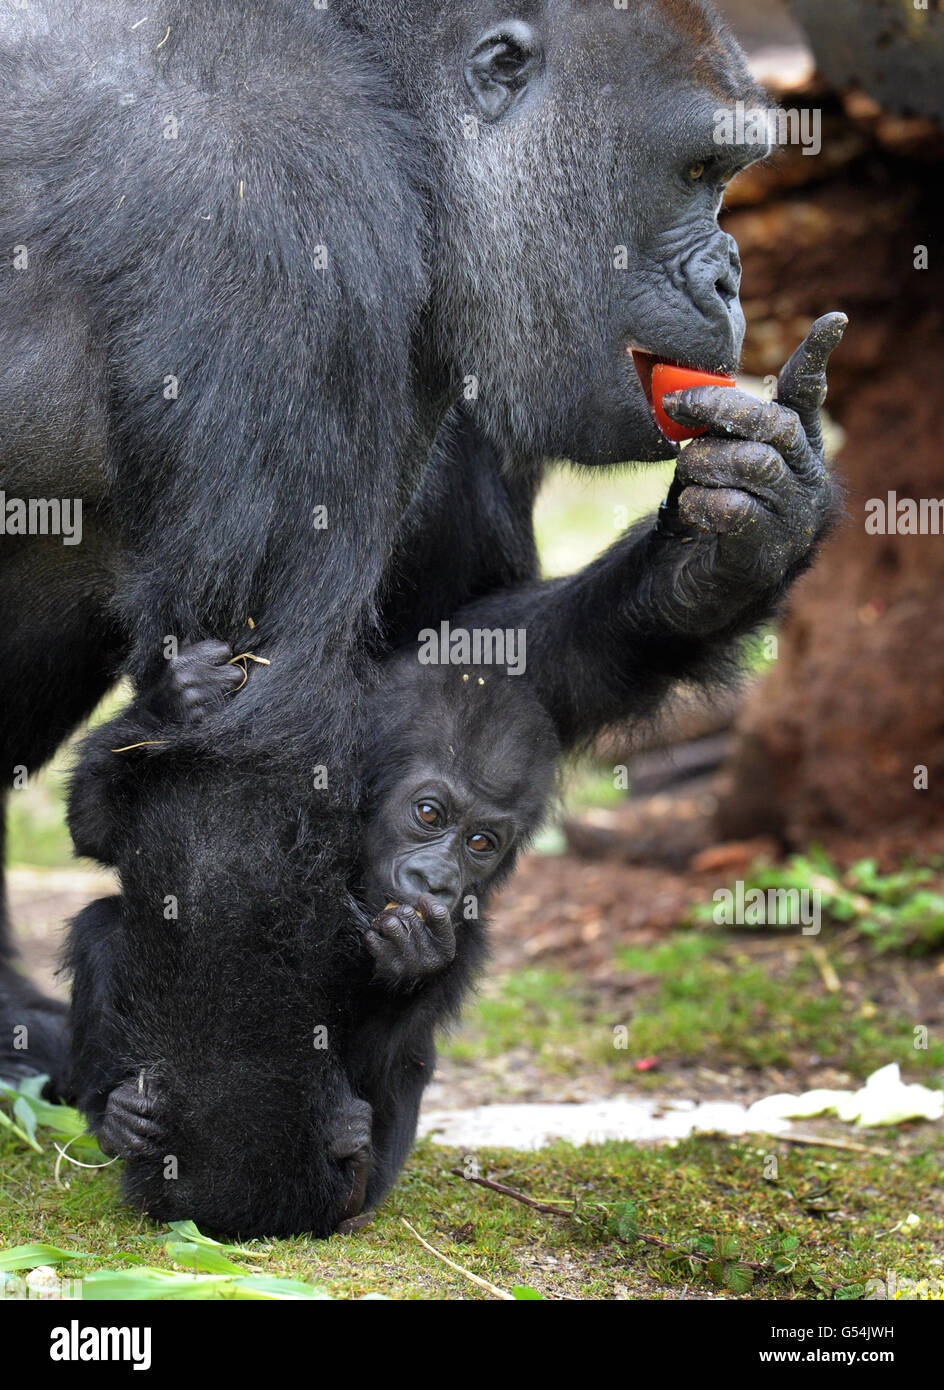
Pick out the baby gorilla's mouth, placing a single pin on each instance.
(426, 909)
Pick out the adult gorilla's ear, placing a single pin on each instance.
(502, 64)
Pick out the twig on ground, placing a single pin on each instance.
(466, 1273)
(826, 969)
(511, 1192)
(849, 1144)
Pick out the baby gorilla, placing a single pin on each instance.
(457, 775)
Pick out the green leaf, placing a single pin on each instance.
(29, 1256)
(850, 1291)
(627, 1221)
(61, 1119)
(738, 1277)
(201, 1257)
(7, 1123)
(522, 1291)
(150, 1283)
(27, 1118)
(189, 1230)
(189, 1233)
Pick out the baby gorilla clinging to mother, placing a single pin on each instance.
(457, 773)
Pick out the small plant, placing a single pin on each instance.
(903, 911)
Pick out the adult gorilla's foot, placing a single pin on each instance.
(34, 1032)
(130, 1127)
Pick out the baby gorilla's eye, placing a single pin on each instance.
(428, 812)
(481, 843)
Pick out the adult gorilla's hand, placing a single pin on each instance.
(751, 498)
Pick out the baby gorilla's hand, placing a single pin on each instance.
(409, 944)
(197, 679)
(130, 1127)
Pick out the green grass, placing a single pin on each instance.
(838, 1211)
(714, 1002)
(700, 998)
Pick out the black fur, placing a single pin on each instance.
(475, 262)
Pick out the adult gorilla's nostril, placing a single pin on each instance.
(726, 288)
(728, 283)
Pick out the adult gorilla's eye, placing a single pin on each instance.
(696, 171)
(428, 812)
(481, 843)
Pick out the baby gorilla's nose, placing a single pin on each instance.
(433, 878)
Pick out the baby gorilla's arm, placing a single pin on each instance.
(410, 944)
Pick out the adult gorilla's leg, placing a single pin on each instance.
(58, 648)
(58, 653)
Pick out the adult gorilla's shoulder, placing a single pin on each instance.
(235, 198)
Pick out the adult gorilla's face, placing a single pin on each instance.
(576, 200)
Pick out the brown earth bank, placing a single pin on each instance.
(828, 745)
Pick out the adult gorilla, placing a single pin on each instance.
(258, 252)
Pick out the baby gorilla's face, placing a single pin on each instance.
(433, 834)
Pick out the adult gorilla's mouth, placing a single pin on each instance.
(644, 363)
(672, 377)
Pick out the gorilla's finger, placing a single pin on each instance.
(136, 1094)
(226, 678)
(434, 913)
(386, 925)
(802, 382)
(741, 464)
(736, 415)
(352, 1130)
(136, 1126)
(138, 1105)
(357, 1195)
(118, 1140)
(209, 653)
(720, 511)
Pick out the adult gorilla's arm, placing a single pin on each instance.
(750, 502)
